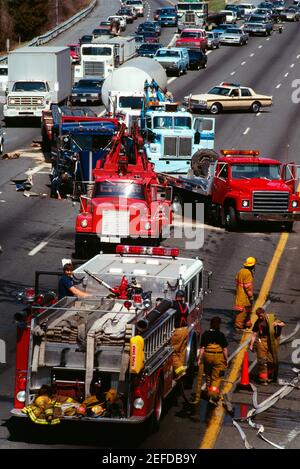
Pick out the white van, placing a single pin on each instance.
(248, 8)
(231, 16)
(3, 76)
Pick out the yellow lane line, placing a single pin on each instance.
(216, 420)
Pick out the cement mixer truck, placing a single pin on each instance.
(126, 90)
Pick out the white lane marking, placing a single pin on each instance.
(267, 39)
(30, 172)
(2, 201)
(172, 40)
(286, 75)
(292, 65)
(258, 114)
(251, 55)
(208, 52)
(298, 56)
(171, 79)
(259, 47)
(246, 131)
(243, 63)
(278, 86)
(232, 73)
(38, 248)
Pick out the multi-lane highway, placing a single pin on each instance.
(37, 232)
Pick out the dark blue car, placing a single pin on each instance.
(168, 16)
(87, 90)
(148, 49)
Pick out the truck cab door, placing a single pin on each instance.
(204, 128)
(290, 173)
(220, 183)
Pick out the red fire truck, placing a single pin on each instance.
(118, 338)
(126, 202)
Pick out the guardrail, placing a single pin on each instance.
(37, 41)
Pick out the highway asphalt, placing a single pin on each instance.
(264, 64)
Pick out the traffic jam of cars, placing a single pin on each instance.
(130, 122)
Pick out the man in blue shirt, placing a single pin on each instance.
(66, 286)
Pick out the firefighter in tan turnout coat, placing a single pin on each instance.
(244, 294)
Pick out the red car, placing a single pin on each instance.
(74, 52)
(150, 36)
(192, 38)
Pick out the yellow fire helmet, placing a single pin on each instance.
(250, 262)
(111, 395)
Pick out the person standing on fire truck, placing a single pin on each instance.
(179, 338)
(214, 352)
(66, 284)
(244, 294)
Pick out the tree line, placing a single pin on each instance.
(22, 20)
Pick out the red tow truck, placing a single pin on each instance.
(126, 201)
(240, 186)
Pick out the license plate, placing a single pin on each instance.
(84, 100)
(110, 239)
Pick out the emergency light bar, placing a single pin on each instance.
(240, 152)
(151, 251)
(224, 83)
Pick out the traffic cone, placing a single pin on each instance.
(244, 382)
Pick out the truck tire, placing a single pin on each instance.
(255, 107)
(201, 160)
(289, 226)
(215, 108)
(231, 220)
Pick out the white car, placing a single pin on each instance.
(231, 16)
(137, 4)
(121, 19)
(3, 76)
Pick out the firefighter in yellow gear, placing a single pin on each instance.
(244, 294)
(265, 335)
(214, 352)
(179, 339)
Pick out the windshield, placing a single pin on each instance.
(30, 86)
(233, 31)
(133, 102)
(190, 34)
(167, 122)
(189, 6)
(91, 142)
(89, 84)
(167, 53)
(219, 90)
(251, 171)
(119, 189)
(167, 11)
(88, 50)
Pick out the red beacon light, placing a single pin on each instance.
(240, 152)
(150, 251)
